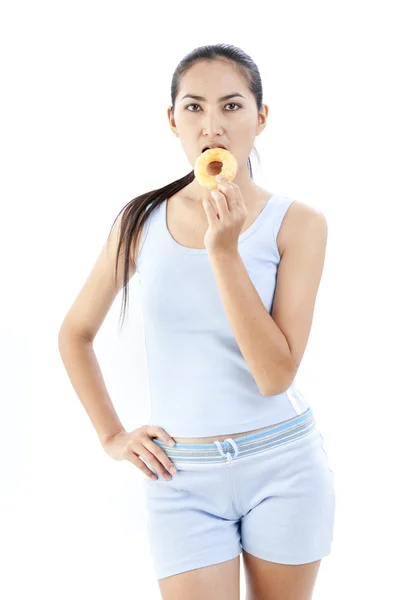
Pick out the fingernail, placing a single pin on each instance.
(219, 178)
(171, 443)
(172, 470)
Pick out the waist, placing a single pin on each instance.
(222, 437)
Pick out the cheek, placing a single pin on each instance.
(244, 147)
(243, 132)
(182, 123)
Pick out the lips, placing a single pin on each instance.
(209, 146)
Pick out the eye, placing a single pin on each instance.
(233, 104)
(229, 104)
(186, 107)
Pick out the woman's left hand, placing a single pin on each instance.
(222, 235)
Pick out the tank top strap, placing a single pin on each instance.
(280, 208)
(145, 230)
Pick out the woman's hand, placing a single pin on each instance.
(131, 445)
(225, 224)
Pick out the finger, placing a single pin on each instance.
(141, 465)
(237, 196)
(157, 458)
(231, 190)
(226, 189)
(151, 461)
(150, 451)
(159, 432)
(210, 212)
(220, 201)
(234, 194)
(163, 458)
(213, 204)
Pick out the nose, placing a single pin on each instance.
(212, 126)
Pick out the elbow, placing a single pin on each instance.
(279, 385)
(63, 337)
(66, 334)
(274, 390)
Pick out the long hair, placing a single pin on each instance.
(136, 211)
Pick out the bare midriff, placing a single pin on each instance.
(222, 438)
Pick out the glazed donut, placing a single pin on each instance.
(229, 167)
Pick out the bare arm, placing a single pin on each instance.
(78, 330)
(273, 344)
(87, 380)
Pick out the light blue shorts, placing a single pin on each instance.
(271, 493)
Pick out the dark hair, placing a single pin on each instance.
(136, 211)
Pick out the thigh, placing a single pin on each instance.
(191, 523)
(289, 508)
(267, 580)
(220, 581)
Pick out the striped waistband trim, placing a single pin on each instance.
(246, 445)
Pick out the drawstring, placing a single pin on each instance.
(228, 454)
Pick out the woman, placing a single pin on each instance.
(229, 281)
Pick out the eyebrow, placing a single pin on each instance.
(227, 97)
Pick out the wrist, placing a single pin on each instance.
(105, 439)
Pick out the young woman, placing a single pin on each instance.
(228, 283)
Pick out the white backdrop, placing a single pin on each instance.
(85, 91)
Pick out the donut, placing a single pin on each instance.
(229, 167)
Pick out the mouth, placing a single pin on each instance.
(211, 147)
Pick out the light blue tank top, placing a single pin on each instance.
(199, 382)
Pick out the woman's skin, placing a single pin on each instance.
(197, 123)
(210, 120)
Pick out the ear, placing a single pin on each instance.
(262, 118)
(171, 121)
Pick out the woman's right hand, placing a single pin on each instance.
(130, 446)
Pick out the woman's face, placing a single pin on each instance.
(233, 122)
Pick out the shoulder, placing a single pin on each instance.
(301, 221)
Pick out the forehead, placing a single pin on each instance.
(212, 79)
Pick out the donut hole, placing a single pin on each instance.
(214, 168)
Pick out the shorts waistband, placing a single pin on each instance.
(242, 446)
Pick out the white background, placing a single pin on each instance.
(85, 91)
